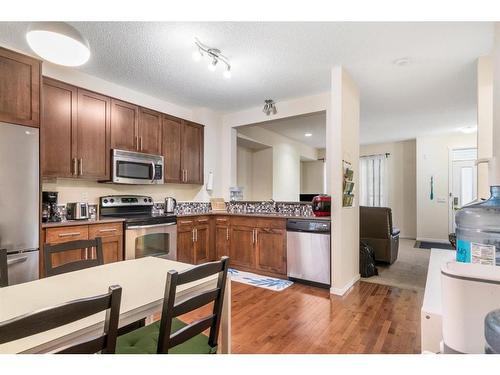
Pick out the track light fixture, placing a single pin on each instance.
(214, 55)
(269, 107)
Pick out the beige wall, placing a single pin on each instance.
(484, 122)
(433, 160)
(401, 181)
(255, 173)
(312, 177)
(286, 155)
(342, 131)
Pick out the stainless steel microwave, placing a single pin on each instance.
(136, 168)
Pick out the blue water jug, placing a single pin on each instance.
(478, 231)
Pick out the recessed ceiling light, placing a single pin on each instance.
(403, 61)
(58, 42)
(308, 134)
(468, 129)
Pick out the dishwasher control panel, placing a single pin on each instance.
(308, 225)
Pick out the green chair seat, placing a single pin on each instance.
(145, 340)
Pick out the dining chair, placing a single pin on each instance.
(53, 317)
(4, 277)
(171, 335)
(84, 245)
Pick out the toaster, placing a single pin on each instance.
(77, 211)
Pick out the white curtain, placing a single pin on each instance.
(373, 180)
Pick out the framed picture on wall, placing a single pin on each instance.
(348, 190)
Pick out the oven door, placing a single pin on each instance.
(136, 168)
(158, 240)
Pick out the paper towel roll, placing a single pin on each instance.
(210, 181)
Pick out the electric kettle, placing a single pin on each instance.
(170, 204)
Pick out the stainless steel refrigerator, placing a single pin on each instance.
(19, 200)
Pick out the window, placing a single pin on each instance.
(373, 180)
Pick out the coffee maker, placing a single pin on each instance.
(49, 207)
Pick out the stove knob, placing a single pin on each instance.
(105, 201)
(150, 200)
(112, 200)
(145, 200)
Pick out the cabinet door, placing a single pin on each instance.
(124, 122)
(149, 131)
(171, 149)
(58, 129)
(221, 240)
(19, 88)
(242, 246)
(185, 245)
(92, 143)
(271, 251)
(112, 240)
(66, 234)
(202, 245)
(192, 153)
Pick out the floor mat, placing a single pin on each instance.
(260, 281)
(432, 245)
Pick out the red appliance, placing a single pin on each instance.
(321, 205)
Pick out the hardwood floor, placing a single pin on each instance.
(370, 318)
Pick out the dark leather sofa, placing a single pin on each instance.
(376, 230)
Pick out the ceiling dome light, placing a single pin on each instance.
(58, 42)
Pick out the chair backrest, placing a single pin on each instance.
(52, 317)
(84, 245)
(4, 277)
(375, 222)
(166, 340)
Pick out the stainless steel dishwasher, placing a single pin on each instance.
(308, 251)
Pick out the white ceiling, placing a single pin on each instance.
(435, 92)
(295, 128)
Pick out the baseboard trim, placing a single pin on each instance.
(439, 240)
(345, 288)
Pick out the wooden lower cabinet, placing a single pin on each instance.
(221, 237)
(242, 246)
(194, 240)
(112, 242)
(271, 254)
(185, 244)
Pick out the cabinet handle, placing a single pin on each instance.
(196, 234)
(256, 236)
(75, 167)
(186, 175)
(141, 143)
(202, 220)
(185, 222)
(253, 236)
(137, 142)
(227, 234)
(81, 166)
(193, 234)
(107, 230)
(69, 234)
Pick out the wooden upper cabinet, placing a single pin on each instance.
(124, 123)
(92, 141)
(192, 139)
(150, 131)
(57, 130)
(20, 77)
(171, 148)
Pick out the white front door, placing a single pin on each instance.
(463, 187)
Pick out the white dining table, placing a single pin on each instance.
(143, 286)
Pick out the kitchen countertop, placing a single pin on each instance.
(70, 223)
(264, 215)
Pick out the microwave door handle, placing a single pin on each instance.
(152, 172)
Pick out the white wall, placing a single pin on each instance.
(433, 160)
(255, 173)
(76, 190)
(342, 131)
(401, 181)
(285, 162)
(484, 122)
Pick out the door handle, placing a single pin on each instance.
(16, 261)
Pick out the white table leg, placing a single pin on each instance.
(225, 324)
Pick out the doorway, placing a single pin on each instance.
(463, 181)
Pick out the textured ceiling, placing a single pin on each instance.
(435, 92)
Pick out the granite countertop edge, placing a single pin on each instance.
(263, 215)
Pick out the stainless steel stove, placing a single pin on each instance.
(146, 234)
